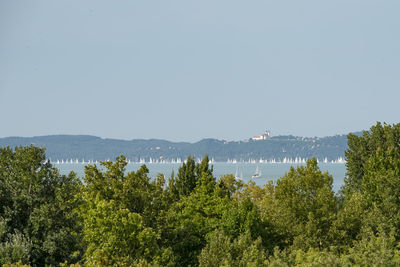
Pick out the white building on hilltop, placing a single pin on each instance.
(261, 137)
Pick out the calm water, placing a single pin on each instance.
(269, 171)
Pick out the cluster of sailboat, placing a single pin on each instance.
(297, 160)
(140, 161)
(74, 161)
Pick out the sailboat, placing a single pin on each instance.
(257, 173)
(237, 175)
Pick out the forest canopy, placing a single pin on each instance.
(110, 217)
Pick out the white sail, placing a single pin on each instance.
(257, 173)
(237, 175)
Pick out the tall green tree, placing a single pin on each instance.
(301, 206)
(37, 208)
(188, 175)
(186, 178)
(194, 215)
(373, 176)
(113, 210)
(361, 148)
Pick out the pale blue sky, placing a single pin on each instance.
(187, 70)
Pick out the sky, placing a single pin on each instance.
(187, 70)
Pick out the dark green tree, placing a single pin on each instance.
(186, 179)
(229, 185)
(371, 186)
(37, 208)
(361, 148)
(192, 217)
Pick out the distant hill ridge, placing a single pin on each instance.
(276, 148)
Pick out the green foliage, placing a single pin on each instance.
(381, 180)
(301, 206)
(374, 250)
(112, 203)
(189, 175)
(37, 203)
(371, 250)
(14, 248)
(242, 251)
(116, 218)
(190, 219)
(229, 185)
(187, 178)
(252, 191)
(311, 258)
(244, 217)
(161, 200)
(210, 207)
(373, 177)
(362, 148)
(349, 221)
(116, 236)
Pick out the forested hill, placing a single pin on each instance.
(87, 147)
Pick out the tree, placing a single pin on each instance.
(229, 184)
(244, 216)
(348, 222)
(187, 178)
(221, 250)
(374, 249)
(193, 216)
(116, 236)
(252, 191)
(188, 175)
(362, 148)
(380, 187)
(373, 176)
(37, 209)
(301, 206)
(113, 208)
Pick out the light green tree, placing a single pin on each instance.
(112, 209)
(116, 236)
(301, 207)
(242, 251)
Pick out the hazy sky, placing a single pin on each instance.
(187, 70)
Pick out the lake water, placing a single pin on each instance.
(269, 171)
